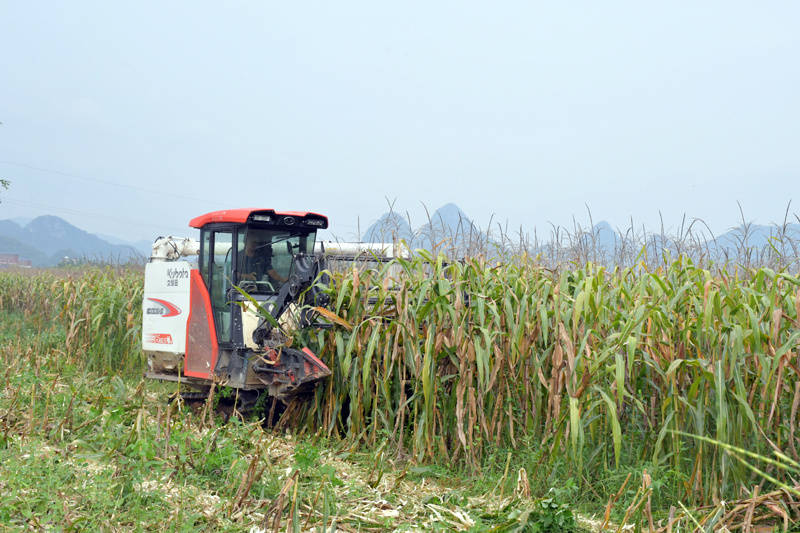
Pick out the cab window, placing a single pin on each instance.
(265, 256)
(218, 247)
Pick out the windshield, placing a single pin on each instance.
(265, 256)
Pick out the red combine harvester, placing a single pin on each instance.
(217, 320)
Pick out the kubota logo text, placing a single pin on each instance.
(159, 338)
(163, 308)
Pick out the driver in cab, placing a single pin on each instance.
(257, 261)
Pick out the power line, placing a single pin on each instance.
(69, 211)
(346, 228)
(105, 182)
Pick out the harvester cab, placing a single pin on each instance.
(222, 319)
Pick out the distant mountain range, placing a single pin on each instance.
(388, 228)
(450, 224)
(47, 240)
(751, 236)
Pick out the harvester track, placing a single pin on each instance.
(243, 402)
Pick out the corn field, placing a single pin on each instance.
(592, 369)
(99, 311)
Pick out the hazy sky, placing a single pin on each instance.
(130, 120)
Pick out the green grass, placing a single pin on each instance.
(82, 450)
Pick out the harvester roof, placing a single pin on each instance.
(243, 215)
